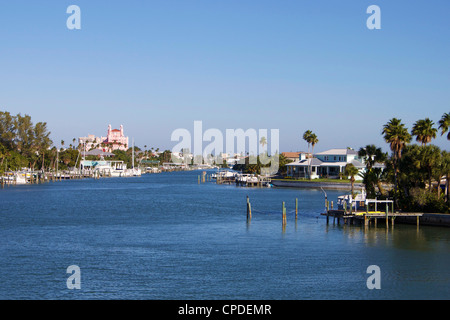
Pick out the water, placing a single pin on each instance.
(165, 236)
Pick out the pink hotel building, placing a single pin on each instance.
(115, 140)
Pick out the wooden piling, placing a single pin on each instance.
(249, 209)
(387, 216)
(284, 214)
(296, 208)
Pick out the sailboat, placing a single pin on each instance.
(137, 172)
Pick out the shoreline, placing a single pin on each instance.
(428, 219)
(314, 184)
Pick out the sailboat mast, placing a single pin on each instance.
(132, 164)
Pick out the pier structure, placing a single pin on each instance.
(240, 179)
(350, 215)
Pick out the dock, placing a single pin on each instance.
(370, 217)
(241, 179)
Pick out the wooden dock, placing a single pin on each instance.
(369, 217)
(13, 178)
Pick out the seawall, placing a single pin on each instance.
(428, 219)
(315, 184)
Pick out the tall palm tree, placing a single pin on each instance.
(395, 133)
(307, 137)
(352, 171)
(263, 141)
(424, 131)
(313, 140)
(444, 123)
(371, 155)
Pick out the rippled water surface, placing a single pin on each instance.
(165, 236)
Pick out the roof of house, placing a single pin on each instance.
(357, 164)
(291, 154)
(317, 162)
(339, 152)
(306, 162)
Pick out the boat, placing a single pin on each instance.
(16, 177)
(358, 202)
(134, 172)
(224, 174)
(103, 169)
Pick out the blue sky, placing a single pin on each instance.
(155, 66)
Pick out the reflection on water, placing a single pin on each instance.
(167, 237)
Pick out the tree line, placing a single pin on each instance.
(412, 173)
(22, 143)
(416, 170)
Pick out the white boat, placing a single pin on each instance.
(103, 169)
(358, 202)
(136, 172)
(16, 178)
(224, 174)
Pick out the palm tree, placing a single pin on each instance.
(371, 155)
(307, 137)
(313, 140)
(352, 171)
(427, 159)
(444, 123)
(424, 131)
(395, 133)
(263, 141)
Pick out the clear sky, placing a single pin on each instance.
(155, 66)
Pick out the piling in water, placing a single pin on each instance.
(249, 209)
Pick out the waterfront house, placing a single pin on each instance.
(326, 164)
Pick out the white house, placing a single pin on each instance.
(329, 164)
